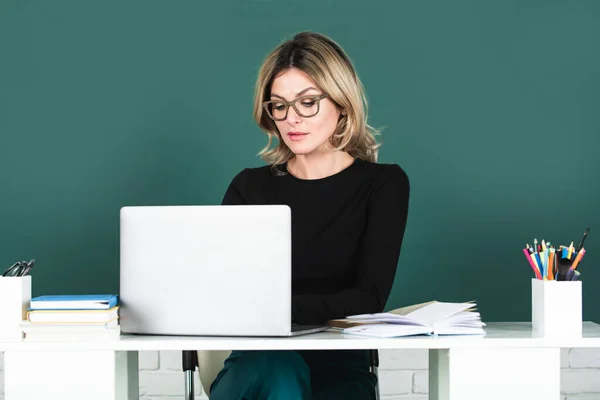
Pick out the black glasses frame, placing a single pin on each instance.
(317, 98)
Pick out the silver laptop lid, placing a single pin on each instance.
(206, 270)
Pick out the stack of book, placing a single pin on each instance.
(72, 317)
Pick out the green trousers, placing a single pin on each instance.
(295, 375)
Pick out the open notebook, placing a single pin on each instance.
(431, 318)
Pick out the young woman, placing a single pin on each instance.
(348, 218)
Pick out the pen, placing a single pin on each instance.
(569, 275)
(580, 245)
(562, 269)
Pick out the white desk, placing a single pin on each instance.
(509, 362)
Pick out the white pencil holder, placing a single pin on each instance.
(556, 308)
(15, 297)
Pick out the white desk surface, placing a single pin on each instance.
(498, 334)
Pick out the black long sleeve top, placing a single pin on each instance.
(347, 232)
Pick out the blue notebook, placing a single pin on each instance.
(74, 302)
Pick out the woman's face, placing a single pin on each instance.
(303, 135)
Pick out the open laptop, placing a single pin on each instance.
(207, 271)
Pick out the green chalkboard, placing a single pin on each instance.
(492, 108)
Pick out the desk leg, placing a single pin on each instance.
(71, 375)
(494, 374)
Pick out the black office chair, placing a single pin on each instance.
(190, 362)
(375, 369)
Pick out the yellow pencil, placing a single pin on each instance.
(570, 253)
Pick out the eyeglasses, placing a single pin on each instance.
(305, 106)
(20, 268)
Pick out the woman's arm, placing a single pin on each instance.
(386, 223)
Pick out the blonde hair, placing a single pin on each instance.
(327, 64)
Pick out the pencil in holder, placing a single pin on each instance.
(15, 297)
(556, 308)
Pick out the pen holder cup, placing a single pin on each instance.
(15, 297)
(556, 308)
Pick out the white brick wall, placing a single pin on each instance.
(403, 375)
